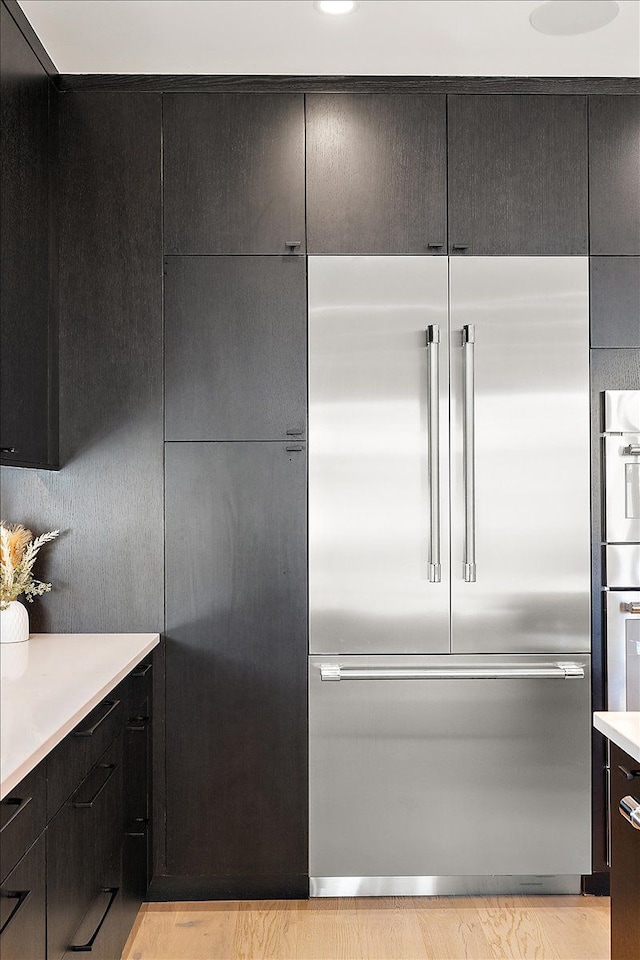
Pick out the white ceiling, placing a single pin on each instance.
(384, 37)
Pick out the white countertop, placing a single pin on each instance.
(623, 729)
(50, 683)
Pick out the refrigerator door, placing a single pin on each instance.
(437, 785)
(520, 555)
(378, 455)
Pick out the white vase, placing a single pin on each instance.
(14, 623)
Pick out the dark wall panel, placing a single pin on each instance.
(27, 419)
(614, 175)
(615, 301)
(107, 567)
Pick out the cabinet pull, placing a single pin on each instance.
(292, 244)
(137, 723)
(460, 246)
(7, 449)
(629, 808)
(88, 946)
(19, 805)
(434, 246)
(138, 828)
(142, 671)
(629, 774)
(87, 804)
(21, 896)
(89, 731)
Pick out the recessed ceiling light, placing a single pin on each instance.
(565, 17)
(336, 7)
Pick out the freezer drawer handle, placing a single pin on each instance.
(630, 607)
(433, 353)
(630, 809)
(468, 347)
(549, 671)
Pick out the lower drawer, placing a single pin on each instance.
(104, 929)
(82, 840)
(23, 908)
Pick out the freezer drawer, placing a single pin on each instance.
(448, 776)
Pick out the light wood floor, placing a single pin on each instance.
(389, 928)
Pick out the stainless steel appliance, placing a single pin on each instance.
(449, 575)
(622, 552)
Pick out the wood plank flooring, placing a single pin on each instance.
(376, 928)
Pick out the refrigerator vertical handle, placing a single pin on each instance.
(468, 354)
(433, 354)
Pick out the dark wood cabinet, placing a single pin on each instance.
(614, 175)
(625, 859)
(94, 835)
(235, 348)
(518, 175)
(234, 173)
(82, 840)
(615, 301)
(376, 174)
(28, 350)
(236, 668)
(23, 908)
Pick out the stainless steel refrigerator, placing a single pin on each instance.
(449, 575)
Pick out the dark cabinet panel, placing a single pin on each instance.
(614, 174)
(625, 859)
(236, 660)
(233, 173)
(22, 818)
(236, 348)
(518, 175)
(376, 173)
(23, 908)
(28, 407)
(615, 301)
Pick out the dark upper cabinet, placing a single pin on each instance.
(518, 175)
(28, 412)
(233, 173)
(376, 174)
(614, 174)
(615, 301)
(236, 628)
(235, 356)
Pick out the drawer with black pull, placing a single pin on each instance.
(23, 908)
(82, 840)
(105, 926)
(22, 818)
(72, 759)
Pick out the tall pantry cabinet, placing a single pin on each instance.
(235, 480)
